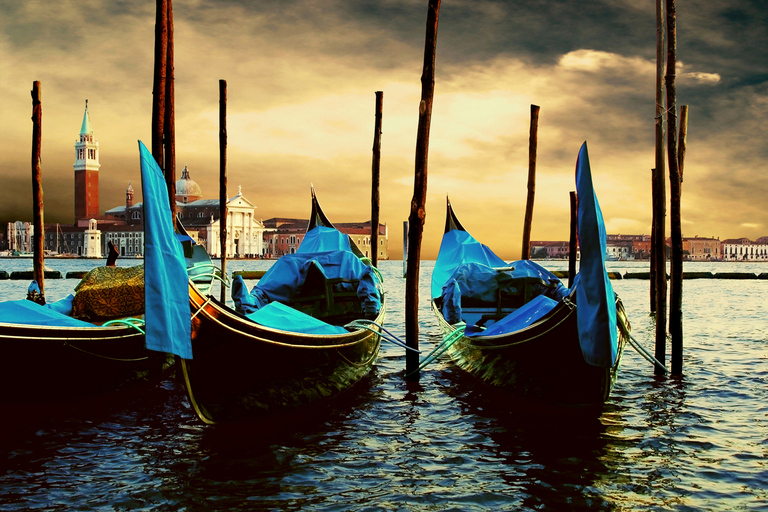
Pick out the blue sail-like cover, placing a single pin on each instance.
(324, 254)
(166, 289)
(595, 299)
(456, 248)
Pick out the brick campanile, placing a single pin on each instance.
(86, 172)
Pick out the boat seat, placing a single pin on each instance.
(333, 300)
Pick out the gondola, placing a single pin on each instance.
(93, 341)
(308, 331)
(516, 327)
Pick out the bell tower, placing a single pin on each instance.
(86, 172)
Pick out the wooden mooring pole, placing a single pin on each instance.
(405, 247)
(223, 185)
(572, 245)
(158, 86)
(676, 259)
(418, 209)
(659, 200)
(169, 131)
(533, 140)
(38, 238)
(375, 179)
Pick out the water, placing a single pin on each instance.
(694, 443)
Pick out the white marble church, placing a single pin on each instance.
(200, 218)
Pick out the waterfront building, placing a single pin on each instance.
(744, 249)
(549, 250)
(201, 218)
(700, 249)
(20, 236)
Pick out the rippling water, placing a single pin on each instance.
(694, 443)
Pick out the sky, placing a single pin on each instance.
(301, 81)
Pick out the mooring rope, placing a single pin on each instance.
(644, 352)
(439, 350)
(136, 323)
(389, 337)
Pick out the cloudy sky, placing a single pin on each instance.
(302, 76)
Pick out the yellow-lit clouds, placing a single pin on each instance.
(300, 110)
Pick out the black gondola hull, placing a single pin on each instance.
(241, 370)
(542, 363)
(45, 363)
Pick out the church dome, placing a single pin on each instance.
(187, 190)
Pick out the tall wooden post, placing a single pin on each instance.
(405, 247)
(532, 144)
(169, 132)
(375, 179)
(682, 140)
(652, 255)
(659, 203)
(676, 264)
(572, 247)
(38, 247)
(158, 87)
(418, 210)
(223, 183)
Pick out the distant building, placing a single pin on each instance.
(20, 236)
(701, 249)
(550, 250)
(283, 236)
(200, 217)
(744, 249)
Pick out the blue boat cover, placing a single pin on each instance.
(27, 312)
(63, 306)
(518, 319)
(166, 289)
(324, 255)
(509, 286)
(456, 248)
(324, 239)
(595, 299)
(278, 316)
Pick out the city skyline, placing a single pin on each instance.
(301, 78)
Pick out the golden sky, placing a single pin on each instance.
(301, 77)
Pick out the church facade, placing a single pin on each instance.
(201, 218)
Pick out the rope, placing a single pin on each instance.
(207, 301)
(67, 344)
(643, 352)
(136, 323)
(391, 338)
(439, 350)
(242, 333)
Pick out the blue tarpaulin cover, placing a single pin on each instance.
(595, 299)
(166, 289)
(456, 248)
(518, 319)
(278, 316)
(30, 313)
(324, 254)
(509, 285)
